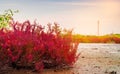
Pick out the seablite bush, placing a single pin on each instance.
(32, 45)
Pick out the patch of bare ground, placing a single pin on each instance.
(91, 61)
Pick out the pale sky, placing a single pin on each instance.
(80, 15)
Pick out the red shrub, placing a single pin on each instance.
(29, 44)
(116, 39)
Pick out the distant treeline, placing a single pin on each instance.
(110, 38)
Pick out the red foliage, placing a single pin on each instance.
(29, 44)
(116, 39)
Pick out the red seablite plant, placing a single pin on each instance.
(116, 39)
(31, 45)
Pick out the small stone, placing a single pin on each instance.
(118, 50)
(82, 57)
(97, 67)
(113, 72)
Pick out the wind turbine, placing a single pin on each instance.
(98, 28)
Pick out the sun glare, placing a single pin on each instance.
(110, 8)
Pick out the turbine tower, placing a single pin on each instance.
(98, 29)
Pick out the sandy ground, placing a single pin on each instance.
(97, 61)
(91, 61)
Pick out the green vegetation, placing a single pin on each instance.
(6, 17)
